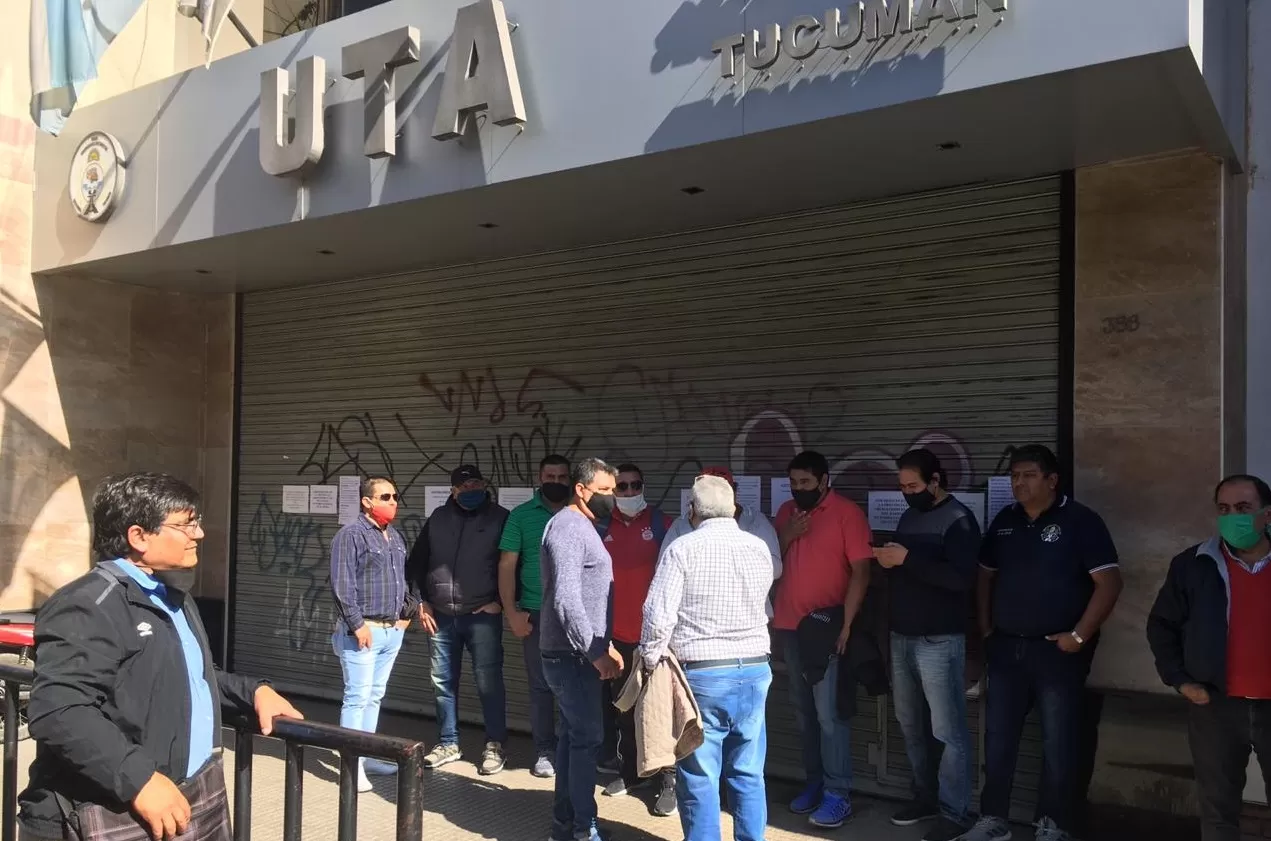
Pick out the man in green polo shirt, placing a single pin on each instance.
(521, 591)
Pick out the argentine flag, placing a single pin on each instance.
(68, 39)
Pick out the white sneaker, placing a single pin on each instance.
(363, 782)
(380, 768)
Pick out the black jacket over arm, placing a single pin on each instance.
(111, 704)
(1187, 628)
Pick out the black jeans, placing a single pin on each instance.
(1221, 734)
(620, 727)
(1023, 672)
(542, 702)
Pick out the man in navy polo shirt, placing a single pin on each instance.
(1048, 581)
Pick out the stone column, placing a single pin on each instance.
(1148, 362)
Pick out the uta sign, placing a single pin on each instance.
(480, 76)
(842, 29)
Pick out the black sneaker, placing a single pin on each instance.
(914, 813)
(621, 787)
(945, 830)
(666, 805)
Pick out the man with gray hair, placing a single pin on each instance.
(707, 606)
(576, 642)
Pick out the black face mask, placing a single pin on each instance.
(601, 505)
(924, 500)
(554, 492)
(177, 579)
(806, 500)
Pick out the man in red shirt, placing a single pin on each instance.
(633, 536)
(1208, 631)
(825, 544)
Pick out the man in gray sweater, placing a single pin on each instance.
(576, 642)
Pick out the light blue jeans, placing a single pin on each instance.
(929, 697)
(366, 672)
(732, 700)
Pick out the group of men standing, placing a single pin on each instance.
(592, 579)
(584, 563)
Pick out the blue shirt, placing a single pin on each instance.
(368, 574)
(202, 713)
(1044, 566)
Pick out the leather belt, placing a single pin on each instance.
(732, 662)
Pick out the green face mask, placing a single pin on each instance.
(1239, 530)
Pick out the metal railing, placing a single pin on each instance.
(297, 735)
(14, 677)
(351, 745)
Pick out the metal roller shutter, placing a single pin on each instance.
(858, 331)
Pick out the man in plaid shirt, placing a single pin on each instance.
(368, 581)
(707, 606)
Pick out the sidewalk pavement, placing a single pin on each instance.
(510, 806)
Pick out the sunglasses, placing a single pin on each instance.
(386, 497)
(631, 486)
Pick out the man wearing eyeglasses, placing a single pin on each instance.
(368, 580)
(633, 535)
(126, 705)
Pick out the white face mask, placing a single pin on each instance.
(631, 505)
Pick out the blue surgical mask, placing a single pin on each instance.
(471, 499)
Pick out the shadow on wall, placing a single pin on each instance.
(688, 35)
(345, 180)
(33, 463)
(103, 379)
(240, 217)
(828, 83)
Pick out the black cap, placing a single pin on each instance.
(464, 473)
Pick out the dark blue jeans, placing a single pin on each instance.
(577, 687)
(1023, 672)
(827, 739)
(542, 703)
(482, 635)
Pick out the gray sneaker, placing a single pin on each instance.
(543, 766)
(989, 829)
(1048, 830)
(492, 759)
(442, 755)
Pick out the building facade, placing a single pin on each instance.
(675, 233)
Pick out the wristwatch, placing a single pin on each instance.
(1077, 637)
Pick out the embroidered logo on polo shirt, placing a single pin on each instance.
(144, 629)
(1051, 533)
(1005, 532)
(647, 534)
(608, 538)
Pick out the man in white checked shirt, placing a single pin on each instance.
(707, 606)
